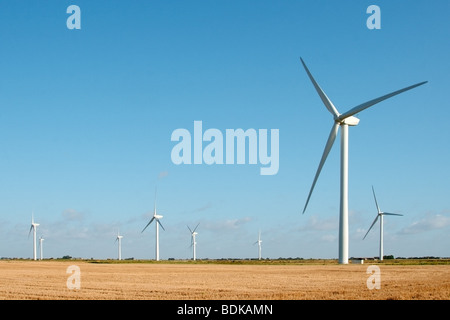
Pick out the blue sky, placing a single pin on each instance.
(87, 116)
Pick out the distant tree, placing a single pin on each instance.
(388, 257)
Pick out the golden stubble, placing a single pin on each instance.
(136, 281)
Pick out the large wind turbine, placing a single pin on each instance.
(259, 241)
(380, 215)
(343, 120)
(119, 240)
(41, 239)
(34, 225)
(193, 242)
(155, 217)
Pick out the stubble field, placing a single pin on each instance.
(214, 281)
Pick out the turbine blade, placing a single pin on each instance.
(190, 230)
(370, 103)
(326, 151)
(148, 224)
(392, 214)
(371, 226)
(160, 224)
(196, 226)
(30, 231)
(326, 101)
(376, 203)
(154, 207)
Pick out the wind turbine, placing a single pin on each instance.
(119, 240)
(380, 215)
(343, 120)
(193, 242)
(155, 217)
(34, 225)
(41, 239)
(259, 245)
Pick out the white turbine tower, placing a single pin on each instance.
(41, 239)
(380, 215)
(34, 225)
(155, 217)
(259, 241)
(343, 120)
(119, 240)
(193, 241)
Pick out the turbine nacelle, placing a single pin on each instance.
(350, 121)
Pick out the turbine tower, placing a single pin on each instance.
(380, 215)
(119, 240)
(344, 121)
(41, 239)
(34, 225)
(155, 217)
(193, 242)
(259, 245)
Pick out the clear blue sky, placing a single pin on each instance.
(87, 115)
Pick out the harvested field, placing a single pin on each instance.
(199, 281)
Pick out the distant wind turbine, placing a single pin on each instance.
(41, 239)
(33, 226)
(343, 120)
(119, 240)
(259, 241)
(193, 241)
(380, 215)
(155, 217)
